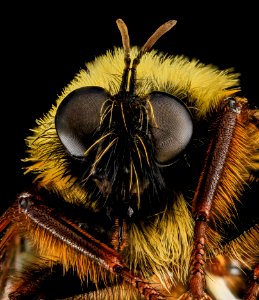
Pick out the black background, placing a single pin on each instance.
(44, 45)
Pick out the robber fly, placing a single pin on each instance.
(140, 171)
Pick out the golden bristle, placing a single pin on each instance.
(164, 247)
(245, 248)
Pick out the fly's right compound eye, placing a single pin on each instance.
(78, 116)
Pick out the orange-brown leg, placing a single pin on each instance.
(253, 292)
(62, 229)
(211, 176)
(9, 243)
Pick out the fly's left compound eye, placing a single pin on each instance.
(172, 127)
(78, 116)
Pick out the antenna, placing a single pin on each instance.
(145, 48)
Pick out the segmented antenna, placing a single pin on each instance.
(125, 40)
(153, 39)
(126, 46)
(145, 48)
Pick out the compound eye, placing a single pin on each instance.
(78, 116)
(172, 126)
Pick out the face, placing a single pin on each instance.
(120, 142)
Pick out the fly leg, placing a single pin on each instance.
(216, 168)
